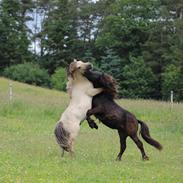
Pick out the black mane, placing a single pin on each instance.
(103, 80)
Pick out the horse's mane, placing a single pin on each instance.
(69, 85)
(109, 84)
(102, 80)
(99, 79)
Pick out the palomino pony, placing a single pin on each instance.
(112, 115)
(81, 92)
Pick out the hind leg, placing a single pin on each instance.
(140, 146)
(71, 148)
(122, 145)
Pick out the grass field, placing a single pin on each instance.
(29, 153)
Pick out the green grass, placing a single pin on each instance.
(29, 153)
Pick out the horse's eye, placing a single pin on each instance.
(79, 67)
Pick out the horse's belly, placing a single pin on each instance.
(81, 110)
(111, 123)
(76, 111)
(81, 107)
(73, 115)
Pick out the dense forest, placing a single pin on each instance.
(138, 42)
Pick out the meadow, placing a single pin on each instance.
(29, 153)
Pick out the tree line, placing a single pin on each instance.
(138, 42)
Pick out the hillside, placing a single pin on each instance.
(29, 153)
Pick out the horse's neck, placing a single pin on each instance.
(79, 86)
(78, 78)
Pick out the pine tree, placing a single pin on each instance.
(138, 80)
(58, 35)
(111, 64)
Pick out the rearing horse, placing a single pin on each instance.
(112, 115)
(81, 92)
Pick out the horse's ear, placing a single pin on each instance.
(75, 60)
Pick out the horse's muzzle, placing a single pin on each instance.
(89, 67)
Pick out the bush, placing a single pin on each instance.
(59, 79)
(172, 80)
(28, 73)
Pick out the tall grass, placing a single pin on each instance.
(29, 153)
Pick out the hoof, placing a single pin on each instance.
(72, 155)
(145, 158)
(118, 159)
(92, 125)
(95, 126)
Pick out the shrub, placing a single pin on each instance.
(172, 80)
(28, 73)
(59, 79)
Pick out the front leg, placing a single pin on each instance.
(94, 91)
(90, 112)
(91, 123)
(93, 111)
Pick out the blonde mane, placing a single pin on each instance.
(69, 86)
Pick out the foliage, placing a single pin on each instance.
(58, 35)
(14, 43)
(88, 57)
(101, 32)
(172, 81)
(111, 64)
(138, 79)
(28, 73)
(59, 79)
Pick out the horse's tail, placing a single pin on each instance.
(62, 136)
(146, 136)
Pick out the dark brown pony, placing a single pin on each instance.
(112, 115)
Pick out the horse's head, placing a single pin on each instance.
(102, 80)
(79, 67)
